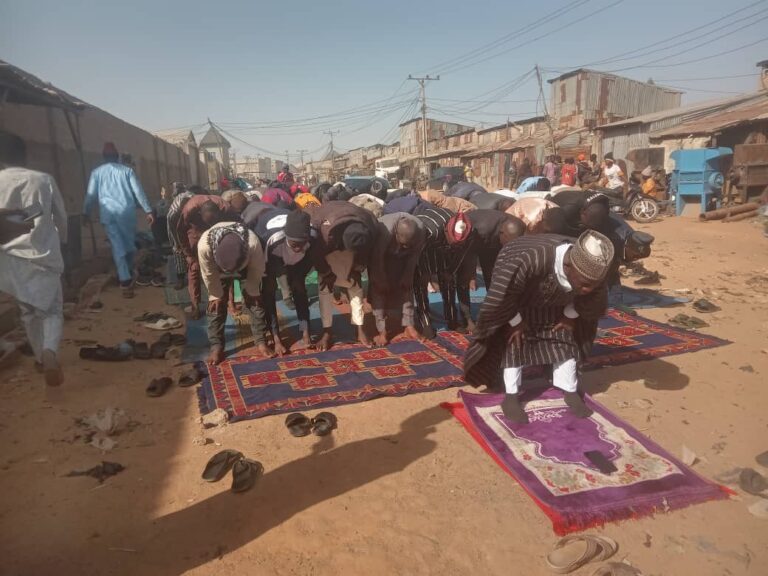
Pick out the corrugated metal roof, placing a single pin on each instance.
(25, 88)
(684, 110)
(719, 120)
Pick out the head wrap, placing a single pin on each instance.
(458, 229)
(370, 203)
(297, 226)
(302, 200)
(591, 255)
(647, 172)
(356, 238)
(581, 158)
(229, 245)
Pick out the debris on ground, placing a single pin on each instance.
(689, 457)
(747, 368)
(759, 509)
(687, 322)
(100, 472)
(705, 306)
(201, 441)
(217, 417)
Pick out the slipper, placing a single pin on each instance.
(191, 377)
(616, 569)
(687, 322)
(298, 424)
(105, 354)
(163, 324)
(219, 464)
(151, 317)
(323, 424)
(141, 351)
(158, 386)
(573, 552)
(245, 473)
(650, 279)
(703, 305)
(752, 482)
(762, 459)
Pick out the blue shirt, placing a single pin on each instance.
(117, 190)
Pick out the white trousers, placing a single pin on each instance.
(564, 376)
(341, 262)
(44, 327)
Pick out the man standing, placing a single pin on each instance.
(493, 229)
(549, 171)
(180, 197)
(117, 190)
(286, 176)
(399, 242)
(545, 298)
(227, 250)
(341, 252)
(30, 259)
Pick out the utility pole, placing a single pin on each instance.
(546, 111)
(301, 159)
(330, 133)
(423, 95)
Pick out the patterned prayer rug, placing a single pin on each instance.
(622, 339)
(250, 386)
(547, 457)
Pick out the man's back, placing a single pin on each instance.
(117, 188)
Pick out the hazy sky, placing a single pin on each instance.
(277, 75)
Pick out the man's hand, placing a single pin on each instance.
(190, 260)
(150, 218)
(566, 324)
(327, 281)
(356, 278)
(216, 307)
(10, 229)
(516, 335)
(280, 349)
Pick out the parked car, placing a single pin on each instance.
(367, 185)
(446, 176)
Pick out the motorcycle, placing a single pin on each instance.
(640, 207)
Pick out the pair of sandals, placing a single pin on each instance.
(573, 552)
(158, 349)
(300, 425)
(245, 471)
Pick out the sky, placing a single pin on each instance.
(276, 76)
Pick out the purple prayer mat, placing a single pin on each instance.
(547, 458)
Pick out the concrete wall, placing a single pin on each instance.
(51, 149)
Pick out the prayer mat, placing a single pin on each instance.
(249, 386)
(621, 339)
(237, 333)
(643, 298)
(547, 458)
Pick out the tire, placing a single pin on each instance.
(644, 210)
(377, 187)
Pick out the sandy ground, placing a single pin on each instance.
(400, 488)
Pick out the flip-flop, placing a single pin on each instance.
(163, 324)
(323, 424)
(687, 322)
(572, 552)
(158, 386)
(245, 473)
(752, 482)
(219, 464)
(762, 459)
(141, 351)
(616, 569)
(298, 424)
(704, 305)
(104, 354)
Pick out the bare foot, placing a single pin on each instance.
(380, 340)
(302, 344)
(363, 339)
(265, 350)
(280, 350)
(216, 356)
(324, 343)
(51, 369)
(412, 333)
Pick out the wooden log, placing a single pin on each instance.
(727, 212)
(742, 216)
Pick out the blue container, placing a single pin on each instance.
(697, 174)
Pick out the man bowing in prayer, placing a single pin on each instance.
(117, 190)
(543, 304)
(345, 236)
(226, 251)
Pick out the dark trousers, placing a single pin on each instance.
(297, 275)
(486, 257)
(217, 321)
(447, 283)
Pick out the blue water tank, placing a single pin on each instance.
(697, 174)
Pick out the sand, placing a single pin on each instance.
(399, 488)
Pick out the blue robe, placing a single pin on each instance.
(117, 190)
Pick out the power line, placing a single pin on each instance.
(423, 92)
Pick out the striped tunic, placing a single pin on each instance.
(524, 281)
(439, 257)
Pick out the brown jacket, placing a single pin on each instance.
(191, 227)
(329, 220)
(448, 202)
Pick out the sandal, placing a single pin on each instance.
(104, 354)
(704, 305)
(158, 386)
(245, 473)
(219, 464)
(573, 552)
(191, 377)
(752, 482)
(616, 569)
(762, 459)
(323, 424)
(141, 351)
(163, 324)
(298, 424)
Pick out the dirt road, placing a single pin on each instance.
(400, 488)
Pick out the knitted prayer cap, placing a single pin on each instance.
(591, 255)
(297, 226)
(230, 252)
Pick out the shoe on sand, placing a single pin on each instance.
(573, 552)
